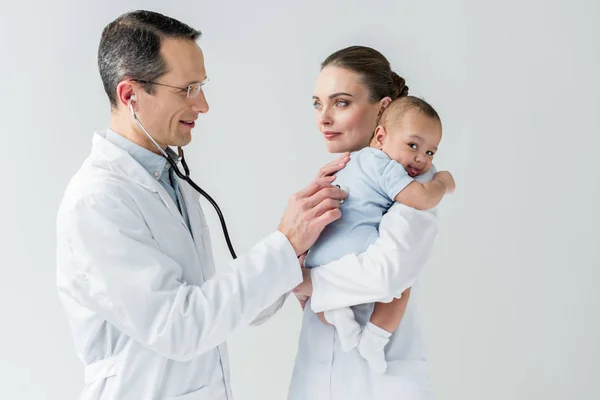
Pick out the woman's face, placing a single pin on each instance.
(344, 113)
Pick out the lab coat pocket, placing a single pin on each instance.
(200, 394)
(406, 379)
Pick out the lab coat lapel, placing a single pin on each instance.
(198, 227)
(132, 169)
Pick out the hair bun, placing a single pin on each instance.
(400, 88)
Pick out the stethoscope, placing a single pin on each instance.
(186, 177)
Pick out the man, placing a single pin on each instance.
(148, 315)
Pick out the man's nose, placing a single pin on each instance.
(200, 105)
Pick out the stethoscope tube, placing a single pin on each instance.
(189, 180)
(186, 177)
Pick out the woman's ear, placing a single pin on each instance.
(383, 103)
(379, 137)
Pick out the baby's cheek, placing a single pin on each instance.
(403, 157)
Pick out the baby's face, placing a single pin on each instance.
(413, 142)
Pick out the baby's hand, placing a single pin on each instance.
(448, 180)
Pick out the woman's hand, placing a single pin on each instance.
(305, 288)
(302, 299)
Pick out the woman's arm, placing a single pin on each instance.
(385, 270)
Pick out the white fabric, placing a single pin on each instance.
(371, 346)
(388, 267)
(347, 328)
(148, 314)
(392, 264)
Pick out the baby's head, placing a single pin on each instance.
(409, 132)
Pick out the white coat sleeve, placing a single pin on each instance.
(388, 267)
(119, 271)
(269, 312)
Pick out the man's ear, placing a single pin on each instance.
(125, 92)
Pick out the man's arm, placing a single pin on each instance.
(266, 314)
(108, 257)
(119, 271)
(270, 311)
(385, 270)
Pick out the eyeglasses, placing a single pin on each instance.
(192, 90)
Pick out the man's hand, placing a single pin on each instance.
(448, 180)
(310, 210)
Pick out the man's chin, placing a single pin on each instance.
(182, 139)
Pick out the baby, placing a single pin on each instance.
(397, 167)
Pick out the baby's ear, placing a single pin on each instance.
(379, 136)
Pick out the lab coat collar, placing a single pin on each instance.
(129, 167)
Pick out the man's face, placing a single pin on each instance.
(167, 113)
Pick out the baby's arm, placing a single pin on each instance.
(425, 196)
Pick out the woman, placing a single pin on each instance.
(353, 88)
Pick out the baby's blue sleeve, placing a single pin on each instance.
(394, 179)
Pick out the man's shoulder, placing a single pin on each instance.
(96, 178)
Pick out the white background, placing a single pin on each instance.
(510, 297)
